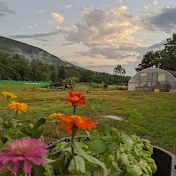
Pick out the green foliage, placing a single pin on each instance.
(97, 146)
(93, 160)
(129, 155)
(121, 154)
(154, 116)
(95, 85)
(7, 128)
(34, 131)
(114, 153)
(80, 164)
(163, 58)
(119, 70)
(16, 67)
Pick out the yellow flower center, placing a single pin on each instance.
(75, 98)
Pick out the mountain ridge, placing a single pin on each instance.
(30, 52)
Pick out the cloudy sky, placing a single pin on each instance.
(94, 34)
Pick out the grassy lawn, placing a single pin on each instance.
(158, 110)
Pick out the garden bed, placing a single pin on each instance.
(165, 161)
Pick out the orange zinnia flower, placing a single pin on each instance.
(56, 116)
(68, 122)
(18, 107)
(75, 99)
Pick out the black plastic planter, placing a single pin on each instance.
(165, 161)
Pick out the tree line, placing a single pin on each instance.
(17, 67)
(162, 58)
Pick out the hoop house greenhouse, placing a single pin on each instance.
(153, 79)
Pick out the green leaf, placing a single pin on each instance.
(119, 173)
(1, 121)
(125, 159)
(38, 170)
(50, 161)
(111, 148)
(39, 123)
(107, 130)
(14, 124)
(80, 163)
(128, 141)
(88, 134)
(7, 137)
(134, 170)
(49, 171)
(26, 131)
(115, 165)
(36, 133)
(97, 172)
(98, 146)
(6, 172)
(81, 152)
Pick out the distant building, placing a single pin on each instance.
(151, 79)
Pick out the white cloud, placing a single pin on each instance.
(57, 27)
(146, 6)
(41, 11)
(105, 27)
(57, 17)
(104, 32)
(68, 6)
(120, 1)
(155, 2)
(53, 23)
(92, 61)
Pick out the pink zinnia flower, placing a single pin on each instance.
(22, 153)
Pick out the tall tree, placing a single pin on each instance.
(170, 53)
(119, 70)
(150, 59)
(164, 59)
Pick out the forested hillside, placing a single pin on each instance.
(17, 67)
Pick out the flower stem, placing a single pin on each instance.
(74, 110)
(74, 130)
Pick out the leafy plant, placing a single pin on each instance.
(111, 154)
(34, 131)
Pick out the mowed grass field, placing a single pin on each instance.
(158, 111)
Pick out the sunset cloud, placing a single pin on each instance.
(104, 32)
(59, 18)
(155, 2)
(146, 6)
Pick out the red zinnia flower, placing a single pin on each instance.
(75, 99)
